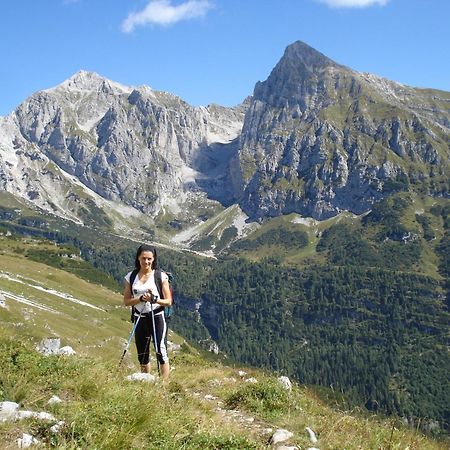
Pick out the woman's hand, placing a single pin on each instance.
(149, 297)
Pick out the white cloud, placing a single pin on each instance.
(353, 3)
(162, 12)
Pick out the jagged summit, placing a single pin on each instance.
(300, 53)
(297, 72)
(83, 76)
(84, 80)
(308, 140)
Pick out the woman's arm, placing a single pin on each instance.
(128, 299)
(167, 300)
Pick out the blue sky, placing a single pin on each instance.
(214, 51)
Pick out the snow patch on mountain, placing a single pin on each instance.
(29, 283)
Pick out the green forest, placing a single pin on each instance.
(377, 335)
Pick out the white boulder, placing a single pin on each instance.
(229, 380)
(49, 346)
(35, 415)
(8, 410)
(55, 429)
(312, 435)
(67, 351)
(139, 376)
(26, 441)
(280, 435)
(54, 400)
(285, 382)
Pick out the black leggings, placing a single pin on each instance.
(144, 334)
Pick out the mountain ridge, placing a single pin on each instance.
(75, 125)
(315, 138)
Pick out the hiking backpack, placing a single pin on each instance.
(168, 310)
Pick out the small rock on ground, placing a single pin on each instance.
(280, 435)
(139, 376)
(26, 441)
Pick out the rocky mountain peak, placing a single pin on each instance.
(302, 55)
(90, 81)
(144, 148)
(298, 74)
(316, 138)
(319, 138)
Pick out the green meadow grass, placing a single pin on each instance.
(102, 410)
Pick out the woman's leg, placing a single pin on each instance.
(161, 338)
(142, 339)
(165, 370)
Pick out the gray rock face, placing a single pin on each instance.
(319, 138)
(136, 146)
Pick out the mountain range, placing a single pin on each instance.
(316, 138)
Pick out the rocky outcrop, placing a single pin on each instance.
(319, 138)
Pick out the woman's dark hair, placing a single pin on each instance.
(146, 248)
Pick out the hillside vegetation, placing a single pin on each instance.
(206, 404)
(359, 304)
(362, 307)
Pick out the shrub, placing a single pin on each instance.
(267, 398)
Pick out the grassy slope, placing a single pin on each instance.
(44, 285)
(101, 410)
(301, 257)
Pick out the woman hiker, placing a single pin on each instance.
(142, 293)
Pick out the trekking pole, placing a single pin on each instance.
(154, 341)
(130, 337)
